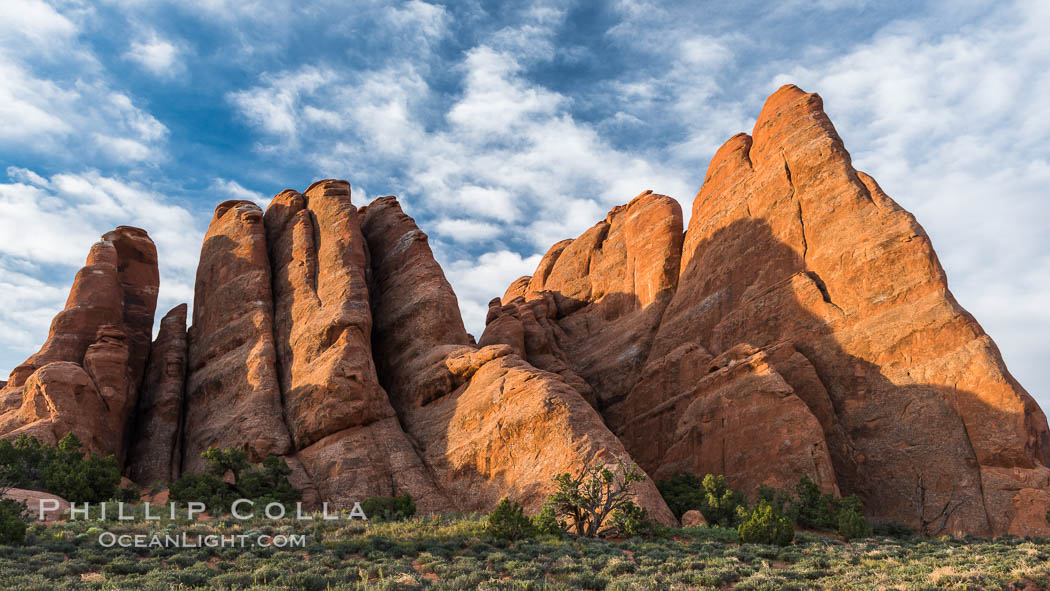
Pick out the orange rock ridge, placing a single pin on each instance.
(801, 325)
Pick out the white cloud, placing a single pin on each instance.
(71, 114)
(56, 220)
(276, 105)
(478, 280)
(233, 190)
(466, 230)
(509, 162)
(156, 55)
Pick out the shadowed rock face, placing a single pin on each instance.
(801, 325)
(157, 446)
(809, 303)
(341, 420)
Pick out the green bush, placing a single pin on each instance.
(683, 492)
(389, 508)
(593, 495)
(764, 525)
(823, 511)
(26, 462)
(720, 504)
(12, 522)
(633, 521)
(508, 521)
(814, 509)
(546, 521)
(781, 501)
(853, 524)
(892, 529)
(263, 483)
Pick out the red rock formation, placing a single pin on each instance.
(157, 444)
(83, 380)
(592, 307)
(139, 281)
(341, 420)
(850, 335)
(233, 398)
(322, 321)
(787, 242)
(801, 326)
(489, 425)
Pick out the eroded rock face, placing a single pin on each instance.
(489, 425)
(156, 454)
(415, 313)
(787, 242)
(593, 305)
(233, 398)
(855, 349)
(802, 325)
(343, 426)
(84, 379)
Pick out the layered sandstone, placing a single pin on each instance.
(801, 325)
(342, 423)
(592, 307)
(233, 398)
(489, 424)
(84, 380)
(809, 303)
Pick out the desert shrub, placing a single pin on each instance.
(389, 508)
(546, 521)
(763, 525)
(12, 522)
(63, 470)
(781, 501)
(682, 492)
(812, 508)
(22, 461)
(127, 494)
(721, 504)
(852, 524)
(508, 521)
(712, 496)
(205, 488)
(823, 511)
(263, 483)
(591, 496)
(633, 521)
(892, 529)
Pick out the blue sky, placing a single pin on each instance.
(504, 127)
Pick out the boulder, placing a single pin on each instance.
(693, 518)
(33, 498)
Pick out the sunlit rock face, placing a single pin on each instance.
(809, 330)
(800, 326)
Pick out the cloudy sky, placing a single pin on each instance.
(504, 128)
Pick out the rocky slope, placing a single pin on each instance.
(801, 325)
